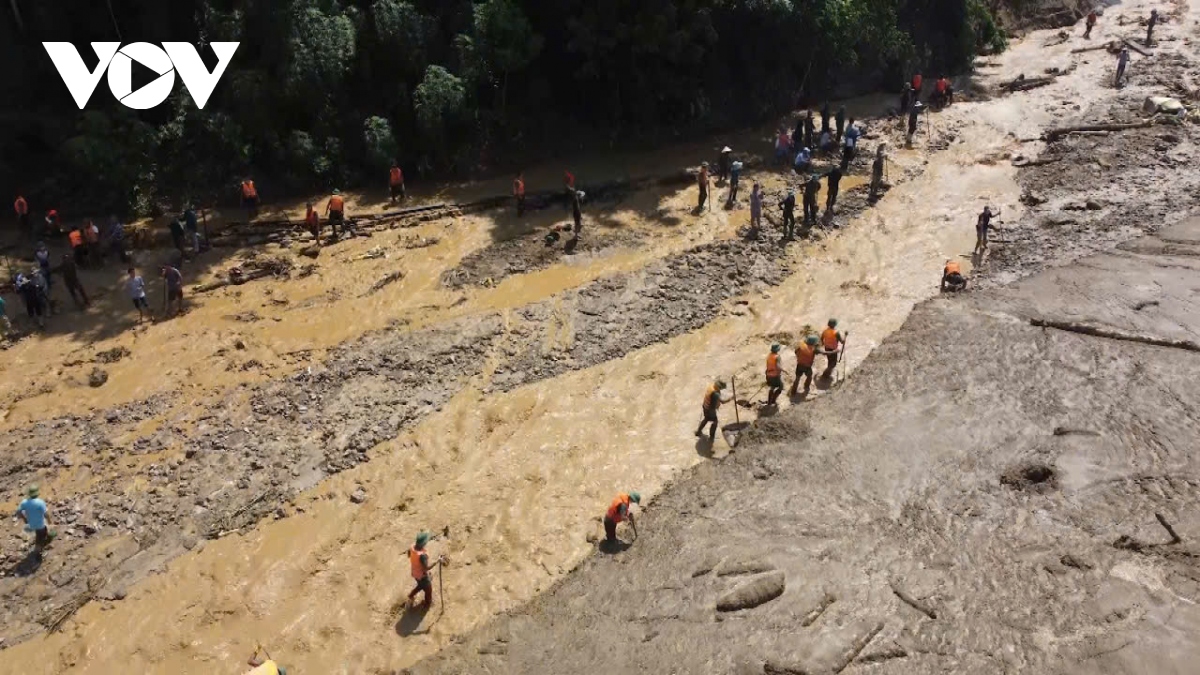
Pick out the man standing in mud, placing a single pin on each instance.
(789, 215)
(618, 511)
(982, 225)
(1122, 61)
(810, 130)
(913, 112)
(825, 117)
(840, 122)
(712, 402)
(833, 183)
(577, 210)
(774, 373)
(174, 296)
(702, 182)
(519, 193)
(811, 188)
(1150, 24)
(32, 511)
(806, 354)
(419, 562)
(831, 341)
(877, 171)
(1089, 25)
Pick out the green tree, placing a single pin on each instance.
(503, 42)
(380, 142)
(320, 49)
(439, 102)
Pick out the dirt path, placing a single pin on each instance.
(508, 415)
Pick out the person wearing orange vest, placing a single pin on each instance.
(77, 246)
(702, 182)
(943, 93)
(618, 511)
(249, 198)
(22, 209)
(519, 193)
(917, 81)
(421, 566)
(831, 342)
(806, 354)
(712, 401)
(1090, 24)
(52, 226)
(774, 375)
(312, 220)
(952, 277)
(396, 182)
(335, 212)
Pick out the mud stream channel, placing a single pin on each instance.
(523, 406)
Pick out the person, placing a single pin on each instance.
(519, 193)
(577, 210)
(32, 511)
(803, 160)
(702, 182)
(249, 198)
(312, 221)
(789, 214)
(712, 402)
(22, 209)
(913, 112)
(1122, 61)
(825, 117)
(35, 306)
(850, 145)
(756, 208)
(418, 560)
(41, 283)
(52, 224)
(917, 81)
(783, 145)
(774, 373)
(177, 235)
(952, 278)
(831, 342)
(192, 226)
(116, 238)
(735, 179)
(174, 281)
(617, 512)
(877, 171)
(42, 256)
(78, 247)
(91, 237)
(1089, 25)
(136, 287)
(811, 188)
(5, 324)
(810, 129)
(1150, 24)
(568, 186)
(833, 181)
(942, 92)
(265, 666)
(827, 143)
(982, 225)
(396, 183)
(335, 212)
(840, 122)
(906, 98)
(724, 163)
(70, 276)
(806, 353)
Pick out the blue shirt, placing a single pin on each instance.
(852, 137)
(35, 513)
(803, 157)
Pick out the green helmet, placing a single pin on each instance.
(32, 491)
(635, 498)
(833, 323)
(720, 383)
(774, 349)
(811, 339)
(337, 191)
(422, 539)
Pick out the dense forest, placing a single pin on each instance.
(324, 93)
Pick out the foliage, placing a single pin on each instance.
(323, 92)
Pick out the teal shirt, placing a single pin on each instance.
(35, 513)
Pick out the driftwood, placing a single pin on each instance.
(1129, 43)
(1051, 135)
(1175, 538)
(1025, 83)
(913, 602)
(1094, 331)
(1041, 161)
(1093, 48)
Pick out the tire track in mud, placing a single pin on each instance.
(221, 466)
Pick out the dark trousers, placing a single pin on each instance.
(710, 416)
(1120, 75)
(336, 220)
(831, 198)
(810, 210)
(397, 192)
(805, 372)
(520, 205)
(610, 530)
(703, 198)
(23, 222)
(789, 224)
(77, 293)
(424, 585)
(733, 187)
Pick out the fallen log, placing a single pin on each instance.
(1025, 83)
(1175, 538)
(1037, 162)
(913, 602)
(1080, 50)
(1109, 334)
(1129, 43)
(1052, 135)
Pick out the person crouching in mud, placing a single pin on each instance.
(952, 278)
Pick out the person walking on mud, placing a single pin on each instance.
(1122, 61)
(913, 113)
(831, 341)
(618, 511)
(21, 207)
(983, 225)
(806, 353)
(396, 183)
(312, 221)
(174, 291)
(712, 402)
(810, 130)
(519, 193)
(877, 167)
(1089, 25)
(952, 277)
(811, 188)
(840, 123)
(735, 178)
(577, 210)
(724, 163)
(774, 375)
(1150, 24)
(32, 511)
(756, 209)
(789, 215)
(833, 181)
(69, 272)
(702, 183)
(420, 565)
(335, 213)
(136, 287)
(825, 117)
(249, 198)
(849, 145)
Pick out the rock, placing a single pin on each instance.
(731, 568)
(97, 378)
(1164, 104)
(112, 355)
(754, 592)
(1093, 205)
(359, 495)
(239, 345)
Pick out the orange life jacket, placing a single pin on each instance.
(614, 509)
(942, 84)
(829, 338)
(336, 203)
(519, 187)
(397, 176)
(21, 206)
(414, 561)
(248, 189)
(76, 238)
(773, 369)
(805, 354)
(708, 397)
(312, 218)
(916, 82)
(952, 268)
